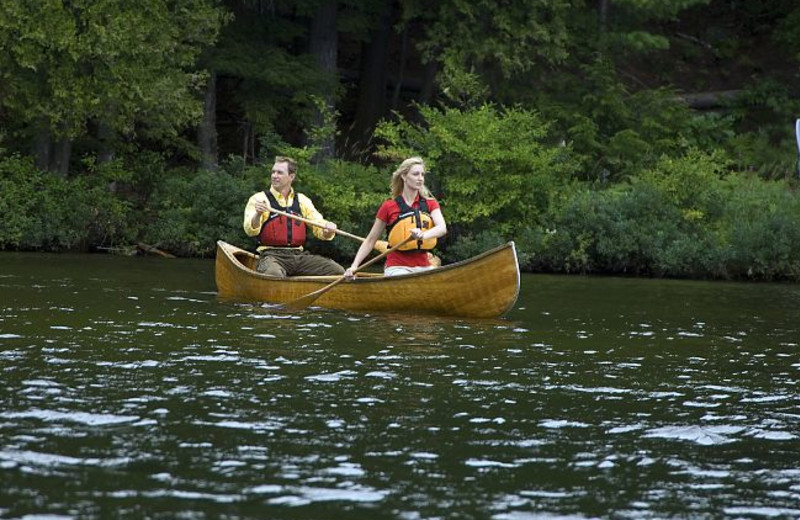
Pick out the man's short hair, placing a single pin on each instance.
(291, 163)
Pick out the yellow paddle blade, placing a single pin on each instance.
(304, 301)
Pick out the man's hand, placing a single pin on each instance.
(262, 206)
(329, 230)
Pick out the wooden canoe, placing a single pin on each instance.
(485, 286)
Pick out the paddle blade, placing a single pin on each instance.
(304, 301)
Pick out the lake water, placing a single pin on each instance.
(129, 391)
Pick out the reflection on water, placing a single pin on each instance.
(129, 391)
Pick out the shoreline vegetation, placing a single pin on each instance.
(651, 139)
(687, 217)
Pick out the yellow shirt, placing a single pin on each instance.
(307, 210)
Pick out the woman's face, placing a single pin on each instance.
(415, 178)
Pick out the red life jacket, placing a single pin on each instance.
(281, 231)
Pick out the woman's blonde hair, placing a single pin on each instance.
(396, 183)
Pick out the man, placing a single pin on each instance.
(281, 239)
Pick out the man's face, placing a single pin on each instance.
(281, 178)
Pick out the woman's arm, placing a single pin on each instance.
(439, 228)
(369, 243)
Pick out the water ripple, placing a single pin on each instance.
(89, 419)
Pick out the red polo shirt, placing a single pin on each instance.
(388, 212)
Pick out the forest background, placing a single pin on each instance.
(643, 137)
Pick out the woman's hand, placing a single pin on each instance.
(349, 274)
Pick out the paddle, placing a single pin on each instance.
(304, 301)
(380, 245)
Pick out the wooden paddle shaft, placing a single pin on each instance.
(380, 245)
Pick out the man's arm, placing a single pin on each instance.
(254, 213)
(307, 209)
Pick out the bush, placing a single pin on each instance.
(760, 229)
(192, 210)
(493, 169)
(45, 211)
(348, 194)
(617, 230)
(686, 217)
(20, 195)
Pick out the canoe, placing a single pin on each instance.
(484, 286)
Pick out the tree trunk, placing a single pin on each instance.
(324, 46)
(603, 8)
(428, 82)
(50, 155)
(42, 144)
(372, 85)
(207, 131)
(105, 136)
(61, 157)
(402, 69)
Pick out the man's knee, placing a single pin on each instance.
(267, 265)
(336, 268)
(327, 267)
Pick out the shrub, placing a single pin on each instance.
(493, 168)
(348, 194)
(617, 230)
(42, 210)
(192, 210)
(760, 229)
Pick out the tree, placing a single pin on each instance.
(129, 68)
(496, 40)
(323, 45)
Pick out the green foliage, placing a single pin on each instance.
(346, 193)
(276, 86)
(190, 211)
(686, 217)
(505, 37)
(613, 230)
(45, 211)
(641, 41)
(623, 132)
(655, 9)
(760, 229)
(67, 63)
(461, 87)
(756, 152)
(786, 32)
(690, 183)
(492, 167)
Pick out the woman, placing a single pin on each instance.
(413, 211)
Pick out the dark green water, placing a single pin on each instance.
(129, 391)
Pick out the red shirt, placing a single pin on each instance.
(388, 213)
